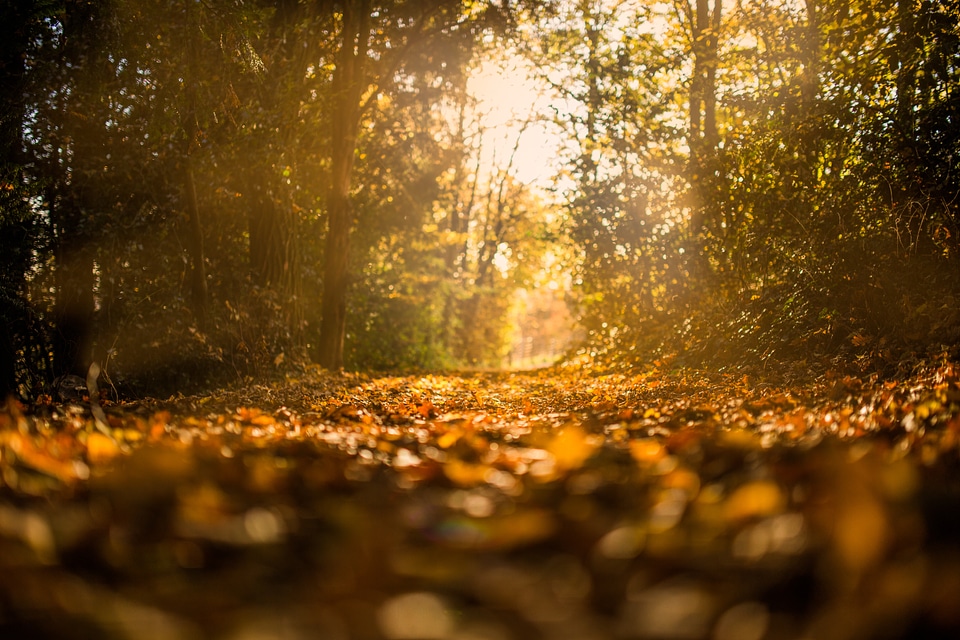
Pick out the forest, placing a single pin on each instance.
(198, 192)
(480, 319)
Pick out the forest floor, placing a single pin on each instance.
(555, 504)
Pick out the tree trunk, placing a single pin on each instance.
(74, 308)
(191, 129)
(75, 215)
(810, 93)
(15, 235)
(198, 272)
(909, 46)
(275, 251)
(348, 87)
(273, 221)
(711, 37)
(703, 138)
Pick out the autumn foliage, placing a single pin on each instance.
(623, 506)
(192, 193)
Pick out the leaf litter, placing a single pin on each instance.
(552, 504)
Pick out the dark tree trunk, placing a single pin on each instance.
(711, 36)
(191, 129)
(348, 85)
(273, 221)
(810, 95)
(274, 255)
(14, 212)
(74, 308)
(75, 216)
(703, 138)
(198, 272)
(908, 52)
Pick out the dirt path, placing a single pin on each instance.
(551, 505)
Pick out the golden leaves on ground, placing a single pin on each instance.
(759, 499)
(571, 446)
(101, 448)
(356, 483)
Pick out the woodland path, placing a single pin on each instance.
(552, 504)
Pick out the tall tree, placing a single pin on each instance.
(349, 84)
(89, 29)
(378, 44)
(703, 24)
(17, 27)
(617, 70)
(290, 45)
(192, 132)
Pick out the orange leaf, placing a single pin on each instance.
(646, 450)
(571, 447)
(39, 460)
(757, 499)
(426, 408)
(101, 448)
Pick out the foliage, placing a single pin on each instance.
(195, 192)
(169, 171)
(499, 505)
(816, 221)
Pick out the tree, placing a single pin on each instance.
(18, 26)
(703, 24)
(349, 84)
(617, 77)
(397, 246)
(88, 32)
(192, 132)
(290, 48)
(375, 44)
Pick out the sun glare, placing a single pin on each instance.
(513, 110)
(515, 113)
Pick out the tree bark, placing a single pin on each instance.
(711, 37)
(191, 128)
(74, 308)
(705, 31)
(810, 90)
(198, 271)
(273, 221)
(909, 44)
(348, 85)
(275, 248)
(74, 215)
(14, 212)
(703, 137)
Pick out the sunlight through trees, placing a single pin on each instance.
(197, 192)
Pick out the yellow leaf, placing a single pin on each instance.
(520, 528)
(740, 439)
(861, 533)
(263, 420)
(425, 409)
(646, 450)
(101, 448)
(571, 447)
(449, 438)
(465, 474)
(500, 533)
(755, 500)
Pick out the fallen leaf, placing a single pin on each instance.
(757, 499)
(101, 448)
